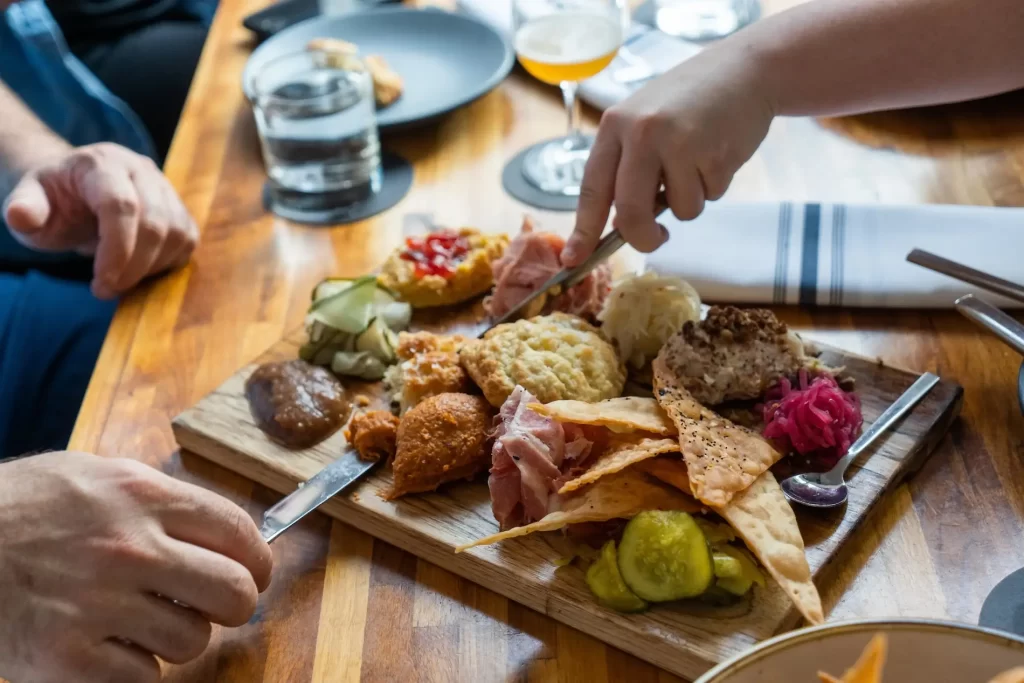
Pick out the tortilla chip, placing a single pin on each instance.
(623, 450)
(868, 668)
(621, 495)
(669, 469)
(1012, 676)
(626, 414)
(722, 458)
(762, 517)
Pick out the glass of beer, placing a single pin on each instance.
(562, 42)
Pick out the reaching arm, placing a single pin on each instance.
(692, 128)
(25, 141)
(831, 57)
(100, 199)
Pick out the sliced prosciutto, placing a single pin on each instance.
(532, 455)
(528, 262)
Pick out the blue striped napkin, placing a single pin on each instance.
(839, 255)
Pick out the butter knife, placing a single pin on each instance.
(567, 277)
(313, 493)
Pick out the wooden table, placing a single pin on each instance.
(343, 607)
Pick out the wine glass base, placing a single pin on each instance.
(1004, 607)
(556, 166)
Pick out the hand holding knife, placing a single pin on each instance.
(567, 277)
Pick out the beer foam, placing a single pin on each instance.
(569, 37)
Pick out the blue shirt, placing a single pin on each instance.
(37, 65)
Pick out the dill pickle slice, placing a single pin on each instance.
(746, 574)
(664, 556)
(726, 566)
(716, 532)
(607, 585)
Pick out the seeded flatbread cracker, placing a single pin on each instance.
(670, 469)
(762, 517)
(627, 414)
(722, 458)
(868, 668)
(622, 451)
(617, 496)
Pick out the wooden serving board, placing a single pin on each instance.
(681, 639)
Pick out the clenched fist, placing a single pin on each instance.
(107, 201)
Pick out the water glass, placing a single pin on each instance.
(317, 126)
(703, 19)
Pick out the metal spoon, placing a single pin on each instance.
(829, 490)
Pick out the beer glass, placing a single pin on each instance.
(562, 42)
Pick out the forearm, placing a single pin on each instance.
(25, 141)
(834, 57)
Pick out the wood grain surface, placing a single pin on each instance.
(220, 427)
(343, 607)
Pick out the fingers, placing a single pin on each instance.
(205, 519)
(108, 191)
(142, 227)
(685, 191)
(218, 588)
(596, 195)
(175, 634)
(636, 184)
(27, 209)
(182, 236)
(116, 662)
(154, 227)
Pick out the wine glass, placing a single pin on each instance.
(562, 42)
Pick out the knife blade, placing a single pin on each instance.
(567, 277)
(313, 493)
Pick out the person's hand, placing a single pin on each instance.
(105, 200)
(92, 553)
(689, 130)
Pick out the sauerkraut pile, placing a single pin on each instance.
(643, 311)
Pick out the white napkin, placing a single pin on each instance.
(645, 49)
(840, 255)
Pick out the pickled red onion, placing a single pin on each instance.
(817, 418)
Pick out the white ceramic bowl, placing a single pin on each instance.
(919, 651)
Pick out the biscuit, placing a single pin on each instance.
(554, 357)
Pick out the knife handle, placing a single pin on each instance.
(608, 245)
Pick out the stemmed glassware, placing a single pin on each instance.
(562, 42)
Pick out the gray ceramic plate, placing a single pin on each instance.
(446, 60)
(920, 651)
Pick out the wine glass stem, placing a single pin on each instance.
(574, 135)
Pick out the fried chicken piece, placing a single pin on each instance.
(430, 366)
(387, 84)
(412, 343)
(734, 354)
(373, 434)
(444, 438)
